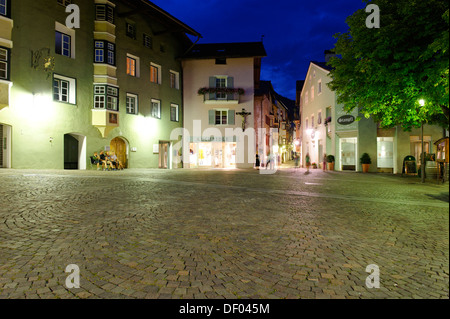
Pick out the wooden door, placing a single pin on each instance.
(119, 147)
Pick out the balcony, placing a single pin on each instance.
(105, 120)
(221, 95)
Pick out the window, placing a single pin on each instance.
(64, 89)
(63, 44)
(4, 63)
(105, 52)
(104, 12)
(133, 65)
(64, 40)
(131, 30)
(155, 73)
(148, 41)
(132, 103)
(174, 80)
(162, 48)
(306, 98)
(221, 83)
(106, 97)
(319, 118)
(306, 124)
(221, 117)
(221, 61)
(156, 108)
(312, 121)
(4, 8)
(174, 112)
(312, 93)
(319, 87)
(63, 2)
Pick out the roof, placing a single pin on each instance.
(323, 65)
(226, 50)
(299, 85)
(148, 8)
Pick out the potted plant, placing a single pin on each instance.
(314, 165)
(365, 162)
(330, 162)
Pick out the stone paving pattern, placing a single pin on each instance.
(221, 234)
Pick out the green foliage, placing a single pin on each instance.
(384, 72)
(330, 158)
(365, 159)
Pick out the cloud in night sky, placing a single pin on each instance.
(295, 31)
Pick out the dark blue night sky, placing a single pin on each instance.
(295, 31)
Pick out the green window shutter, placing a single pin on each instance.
(212, 117)
(230, 82)
(212, 84)
(230, 85)
(230, 117)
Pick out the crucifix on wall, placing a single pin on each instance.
(244, 115)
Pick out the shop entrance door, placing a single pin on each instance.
(348, 154)
(163, 155)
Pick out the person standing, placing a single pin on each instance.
(296, 160)
(257, 163)
(324, 162)
(308, 162)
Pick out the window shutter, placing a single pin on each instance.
(230, 85)
(230, 117)
(212, 117)
(212, 84)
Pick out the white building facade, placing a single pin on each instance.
(328, 129)
(218, 98)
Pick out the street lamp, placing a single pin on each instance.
(422, 157)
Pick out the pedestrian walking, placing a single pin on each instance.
(296, 160)
(257, 162)
(324, 162)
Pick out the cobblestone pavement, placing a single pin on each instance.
(221, 234)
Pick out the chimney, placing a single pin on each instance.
(328, 55)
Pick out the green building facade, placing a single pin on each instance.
(113, 83)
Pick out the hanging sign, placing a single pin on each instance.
(346, 119)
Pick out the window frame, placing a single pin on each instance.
(158, 103)
(158, 67)
(174, 77)
(147, 41)
(106, 96)
(71, 89)
(7, 9)
(177, 116)
(6, 62)
(71, 34)
(137, 64)
(221, 116)
(130, 30)
(136, 104)
(107, 52)
(64, 3)
(108, 13)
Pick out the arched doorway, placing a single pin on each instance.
(119, 147)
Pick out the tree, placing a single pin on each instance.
(385, 71)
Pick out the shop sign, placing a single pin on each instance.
(346, 119)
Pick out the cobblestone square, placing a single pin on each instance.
(201, 234)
